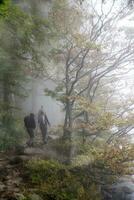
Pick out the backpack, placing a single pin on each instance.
(26, 121)
(41, 120)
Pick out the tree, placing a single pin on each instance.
(87, 55)
(19, 55)
(129, 3)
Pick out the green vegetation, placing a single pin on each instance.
(52, 180)
(19, 38)
(12, 135)
(80, 53)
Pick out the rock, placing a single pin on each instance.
(15, 160)
(33, 151)
(106, 194)
(123, 190)
(124, 179)
(128, 187)
(14, 182)
(35, 197)
(132, 178)
(20, 196)
(127, 190)
(2, 187)
(24, 158)
(53, 137)
(130, 197)
(3, 173)
(19, 149)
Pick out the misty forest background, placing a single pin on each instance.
(81, 48)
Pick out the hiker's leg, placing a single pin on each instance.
(31, 135)
(45, 137)
(28, 141)
(43, 132)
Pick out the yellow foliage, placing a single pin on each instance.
(99, 120)
(65, 18)
(82, 40)
(93, 193)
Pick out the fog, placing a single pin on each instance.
(35, 86)
(36, 98)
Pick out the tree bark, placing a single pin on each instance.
(68, 121)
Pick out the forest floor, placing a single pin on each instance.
(11, 166)
(10, 176)
(12, 180)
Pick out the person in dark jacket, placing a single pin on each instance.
(30, 125)
(43, 124)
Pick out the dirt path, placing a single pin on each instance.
(10, 179)
(11, 167)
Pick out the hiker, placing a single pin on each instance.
(39, 113)
(43, 123)
(30, 125)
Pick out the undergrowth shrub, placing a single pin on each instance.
(56, 181)
(11, 135)
(61, 147)
(53, 180)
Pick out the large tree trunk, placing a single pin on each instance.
(67, 132)
(68, 121)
